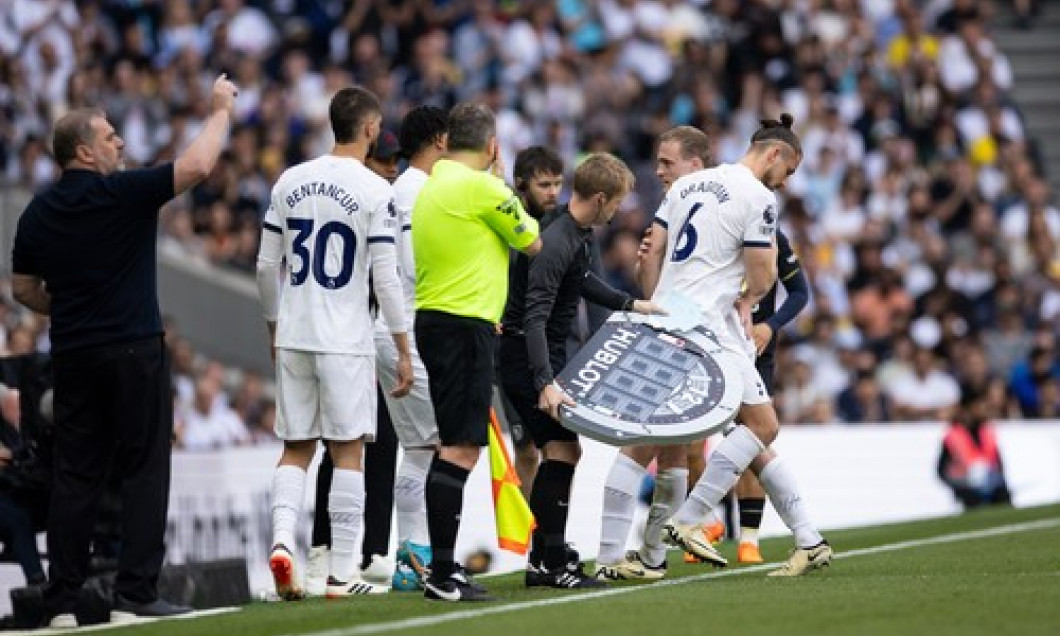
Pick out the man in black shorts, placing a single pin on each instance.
(537, 319)
(538, 174)
(84, 254)
(463, 223)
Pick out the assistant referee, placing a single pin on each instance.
(463, 223)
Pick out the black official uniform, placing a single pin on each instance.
(790, 275)
(542, 302)
(91, 238)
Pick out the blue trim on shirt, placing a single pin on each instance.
(661, 222)
(406, 228)
(380, 239)
(272, 228)
(757, 244)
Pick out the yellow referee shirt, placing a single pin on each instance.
(463, 222)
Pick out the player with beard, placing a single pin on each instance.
(768, 319)
(538, 173)
(716, 244)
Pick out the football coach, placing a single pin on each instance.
(85, 254)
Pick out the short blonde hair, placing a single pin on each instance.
(692, 141)
(605, 173)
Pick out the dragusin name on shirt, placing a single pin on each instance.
(713, 187)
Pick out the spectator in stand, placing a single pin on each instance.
(863, 401)
(961, 57)
(1031, 380)
(1008, 343)
(927, 392)
(913, 45)
(210, 423)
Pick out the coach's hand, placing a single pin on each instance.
(224, 93)
(404, 373)
(762, 333)
(552, 397)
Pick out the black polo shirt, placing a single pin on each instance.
(91, 238)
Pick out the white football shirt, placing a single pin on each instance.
(710, 217)
(406, 188)
(328, 210)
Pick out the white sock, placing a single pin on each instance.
(620, 499)
(671, 485)
(749, 535)
(732, 456)
(346, 509)
(409, 500)
(783, 491)
(288, 490)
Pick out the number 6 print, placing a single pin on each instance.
(686, 238)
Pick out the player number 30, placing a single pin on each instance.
(316, 262)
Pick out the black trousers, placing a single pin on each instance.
(380, 467)
(113, 415)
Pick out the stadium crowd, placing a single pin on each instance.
(920, 214)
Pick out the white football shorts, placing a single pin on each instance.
(325, 396)
(412, 415)
(732, 338)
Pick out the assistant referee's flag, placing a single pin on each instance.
(515, 522)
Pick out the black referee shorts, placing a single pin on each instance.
(458, 354)
(508, 415)
(519, 388)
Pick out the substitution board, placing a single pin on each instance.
(635, 383)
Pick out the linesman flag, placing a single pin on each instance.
(514, 520)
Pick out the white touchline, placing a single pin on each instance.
(52, 631)
(427, 621)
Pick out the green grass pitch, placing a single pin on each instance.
(994, 572)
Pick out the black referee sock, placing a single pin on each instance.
(751, 510)
(321, 519)
(445, 498)
(549, 501)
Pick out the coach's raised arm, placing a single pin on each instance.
(85, 253)
(199, 158)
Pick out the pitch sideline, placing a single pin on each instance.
(428, 621)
